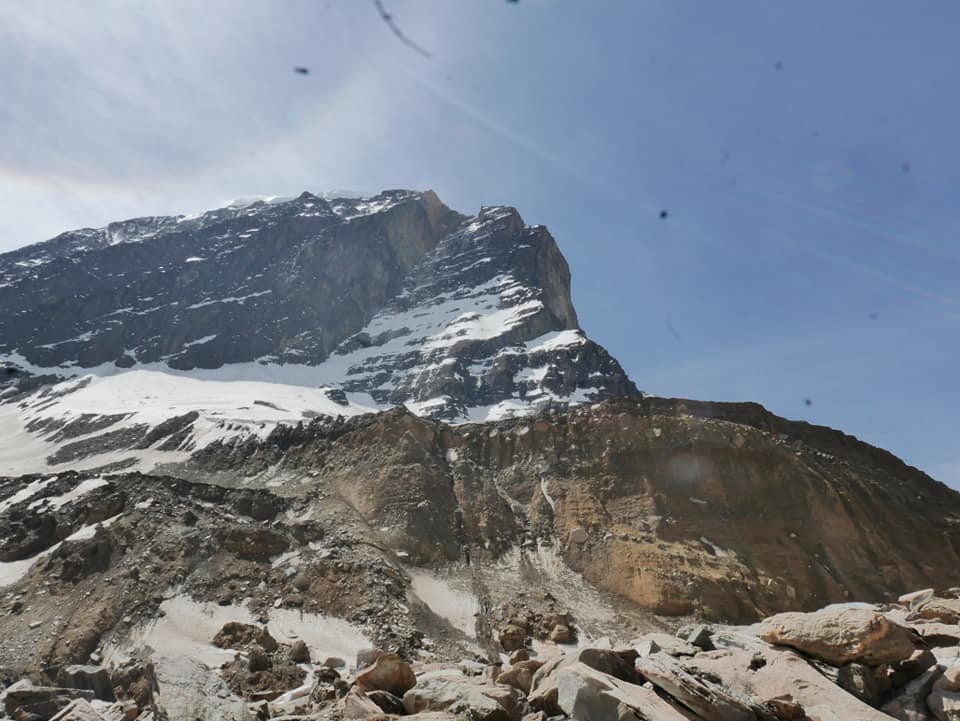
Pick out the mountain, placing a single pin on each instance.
(388, 300)
(299, 428)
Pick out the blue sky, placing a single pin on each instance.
(806, 154)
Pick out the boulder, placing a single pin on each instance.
(910, 702)
(520, 675)
(938, 635)
(135, 680)
(191, 690)
(543, 688)
(512, 637)
(579, 536)
(858, 679)
(842, 636)
(728, 638)
(944, 698)
(950, 680)
(663, 642)
(388, 673)
(43, 702)
(698, 691)
(387, 702)
(258, 660)
(535, 716)
(469, 696)
(562, 633)
(916, 598)
(520, 654)
(241, 635)
(698, 635)
(944, 705)
(356, 705)
(777, 681)
(128, 710)
(91, 678)
(337, 662)
(585, 693)
(365, 657)
(944, 610)
(299, 653)
(326, 674)
(919, 662)
(618, 664)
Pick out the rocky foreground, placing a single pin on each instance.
(851, 662)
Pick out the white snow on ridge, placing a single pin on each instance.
(58, 502)
(200, 341)
(232, 299)
(13, 571)
(252, 398)
(82, 338)
(31, 489)
(557, 339)
(226, 409)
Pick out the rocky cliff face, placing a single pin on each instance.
(394, 299)
(229, 286)
(722, 510)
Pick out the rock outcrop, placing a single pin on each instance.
(843, 636)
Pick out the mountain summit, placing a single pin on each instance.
(383, 301)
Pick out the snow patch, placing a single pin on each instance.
(457, 606)
(81, 489)
(31, 489)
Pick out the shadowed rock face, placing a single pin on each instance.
(261, 280)
(658, 501)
